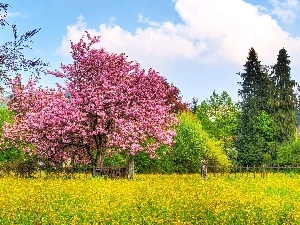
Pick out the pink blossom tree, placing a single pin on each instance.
(111, 106)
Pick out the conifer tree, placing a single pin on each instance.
(298, 106)
(284, 99)
(251, 138)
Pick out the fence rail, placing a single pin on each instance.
(262, 170)
(28, 169)
(128, 171)
(111, 172)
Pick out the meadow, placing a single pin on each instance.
(151, 199)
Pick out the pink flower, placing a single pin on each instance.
(113, 104)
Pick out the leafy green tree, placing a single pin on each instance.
(289, 153)
(218, 116)
(255, 95)
(189, 146)
(161, 164)
(7, 151)
(192, 144)
(283, 103)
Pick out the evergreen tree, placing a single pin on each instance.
(298, 107)
(284, 101)
(251, 142)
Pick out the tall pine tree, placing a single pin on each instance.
(298, 106)
(252, 138)
(284, 100)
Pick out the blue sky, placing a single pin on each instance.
(198, 45)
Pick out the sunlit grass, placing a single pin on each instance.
(151, 199)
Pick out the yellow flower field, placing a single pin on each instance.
(151, 199)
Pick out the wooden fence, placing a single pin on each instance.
(115, 172)
(254, 171)
(111, 172)
(33, 170)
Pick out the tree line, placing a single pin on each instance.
(268, 109)
(261, 127)
(110, 111)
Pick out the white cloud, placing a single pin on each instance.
(113, 20)
(152, 46)
(229, 28)
(212, 32)
(149, 22)
(285, 10)
(15, 14)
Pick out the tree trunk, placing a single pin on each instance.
(100, 146)
(99, 159)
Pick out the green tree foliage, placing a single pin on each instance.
(161, 164)
(298, 106)
(297, 117)
(255, 94)
(189, 146)
(7, 151)
(184, 156)
(283, 104)
(192, 144)
(218, 116)
(255, 85)
(265, 128)
(289, 153)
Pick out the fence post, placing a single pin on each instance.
(214, 168)
(285, 170)
(131, 169)
(94, 169)
(235, 168)
(261, 170)
(229, 171)
(203, 169)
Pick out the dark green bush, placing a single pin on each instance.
(289, 153)
(162, 163)
(26, 168)
(11, 154)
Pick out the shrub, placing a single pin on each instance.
(8, 153)
(162, 163)
(289, 153)
(26, 168)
